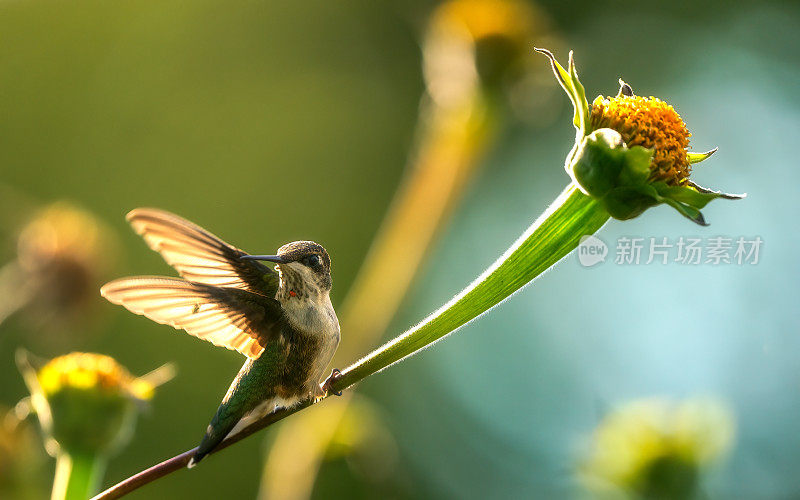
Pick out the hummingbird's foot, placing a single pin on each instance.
(326, 386)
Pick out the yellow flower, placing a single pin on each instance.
(650, 123)
(86, 401)
(631, 152)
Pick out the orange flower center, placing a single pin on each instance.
(653, 124)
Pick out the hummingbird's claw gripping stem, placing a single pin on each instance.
(326, 386)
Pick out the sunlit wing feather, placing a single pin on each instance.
(227, 317)
(200, 256)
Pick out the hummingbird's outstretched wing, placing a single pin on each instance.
(229, 317)
(198, 255)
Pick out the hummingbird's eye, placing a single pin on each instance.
(312, 261)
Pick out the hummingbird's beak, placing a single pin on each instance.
(269, 258)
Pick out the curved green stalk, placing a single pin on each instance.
(77, 475)
(550, 238)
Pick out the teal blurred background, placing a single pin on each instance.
(267, 122)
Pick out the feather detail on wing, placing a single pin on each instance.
(200, 256)
(227, 317)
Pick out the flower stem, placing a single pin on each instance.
(77, 475)
(554, 234)
(549, 239)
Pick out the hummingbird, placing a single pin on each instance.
(282, 320)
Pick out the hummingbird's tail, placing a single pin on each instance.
(226, 423)
(216, 431)
(237, 403)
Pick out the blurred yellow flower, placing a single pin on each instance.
(63, 253)
(87, 401)
(472, 44)
(485, 18)
(653, 448)
(61, 231)
(92, 372)
(22, 472)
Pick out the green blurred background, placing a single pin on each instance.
(267, 122)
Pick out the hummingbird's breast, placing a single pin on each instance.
(310, 338)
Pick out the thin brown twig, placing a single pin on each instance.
(181, 461)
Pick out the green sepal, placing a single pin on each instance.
(604, 168)
(625, 203)
(607, 170)
(720, 194)
(582, 116)
(685, 194)
(689, 199)
(698, 157)
(568, 79)
(603, 162)
(688, 211)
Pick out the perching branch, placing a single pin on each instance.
(181, 461)
(550, 238)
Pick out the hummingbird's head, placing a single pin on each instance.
(304, 266)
